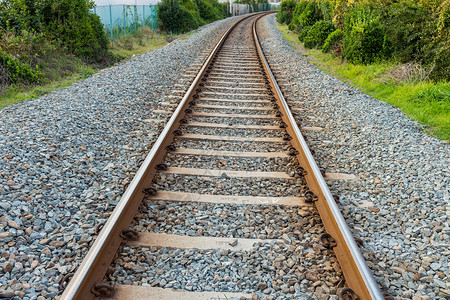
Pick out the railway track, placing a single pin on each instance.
(229, 203)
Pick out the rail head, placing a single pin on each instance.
(358, 275)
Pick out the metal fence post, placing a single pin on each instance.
(124, 21)
(143, 15)
(111, 25)
(135, 18)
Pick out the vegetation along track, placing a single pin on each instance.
(229, 203)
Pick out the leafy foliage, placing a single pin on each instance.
(363, 38)
(318, 33)
(175, 18)
(286, 10)
(371, 30)
(45, 40)
(299, 8)
(332, 40)
(16, 71)
(181, 16)
(68, 23)
(303, 33)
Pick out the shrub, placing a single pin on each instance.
(284, 15)
(17, 71)
(364, 38)
(69, 23)
(332, 40)
(303, 32)
(299, 8)
(307, 13)
(318, 33)
(206, 10)
(192, 8)
(407, 37)
(175, 18)
(402, 31)
(220, 8)
(310, 15)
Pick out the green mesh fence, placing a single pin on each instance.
(264, 6)
(120, 20)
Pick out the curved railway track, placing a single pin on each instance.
(230, 190)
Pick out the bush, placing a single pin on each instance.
(407, 38)
(69, 23)
(192, 8)
(17, 71)
(364, 38)
(221, 9)
(303, 32)
(175, 18)
(332, 40)
(310, 15)
(284, 15)
(207, 12)
(307, 13)
(181, 16)
(299, 8)
(401, 31)
(317, 34)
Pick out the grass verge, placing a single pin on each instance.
(423, 101)
(143, 41)
(16, 94)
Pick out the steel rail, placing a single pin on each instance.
(357, 274)
(97, 261)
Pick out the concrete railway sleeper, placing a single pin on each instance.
(227, 209)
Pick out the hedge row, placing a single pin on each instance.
(179, 16)
(67, 23)
(366, 31)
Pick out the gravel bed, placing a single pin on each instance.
(236, 97)
(237, 121)
(235, 103)
(231, 80)
(263, 164)
(233, 146)
(225, 220)
(399, 206)
(66, 157)
(228, 91)
(264, 187)
(232, 83)
(244, 133)
(234, 111)
(287, 269)
(234, 73)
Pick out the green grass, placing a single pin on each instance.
(15, 94)
(139, 43)
(60, 69)
(423, 101)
